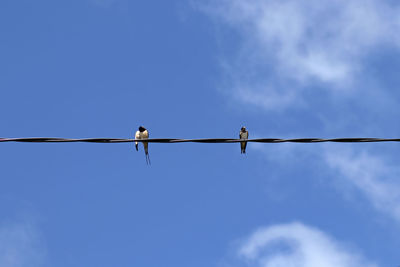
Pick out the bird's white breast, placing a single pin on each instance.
(145, 134)
(244, 135)
(142, 135)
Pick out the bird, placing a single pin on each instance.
(142, 133)
(243, 134)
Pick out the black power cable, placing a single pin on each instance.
(206, 140)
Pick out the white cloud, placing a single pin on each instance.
(290, 45)
(297, 245)
(20, 246)
(361, 171)
(375, 178)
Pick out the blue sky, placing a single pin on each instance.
(199, 69)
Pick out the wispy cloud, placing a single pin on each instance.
(366, 172)
(295, 244)
(20, 245)
(288, 46)
(362, 171)
(371, 175)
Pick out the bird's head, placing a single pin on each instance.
(142, 129)
(243, 129)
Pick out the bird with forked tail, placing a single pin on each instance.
(141, 134)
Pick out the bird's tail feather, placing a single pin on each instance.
(146, 151)
(148, 159)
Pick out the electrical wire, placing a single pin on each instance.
(204, 140)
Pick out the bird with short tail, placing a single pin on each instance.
(243, 134)
(142, 134)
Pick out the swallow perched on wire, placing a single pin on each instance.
(142, 133)
(243, 134)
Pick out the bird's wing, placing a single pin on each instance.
(145, 134)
